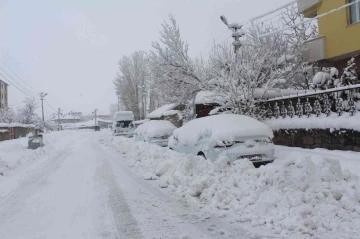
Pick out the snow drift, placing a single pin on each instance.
(297, 197)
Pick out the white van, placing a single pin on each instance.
(123, 123)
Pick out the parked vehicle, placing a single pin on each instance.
(122, 123)
(139, 122)
(155, 131)
(234, 136)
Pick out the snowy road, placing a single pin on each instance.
(76, 187)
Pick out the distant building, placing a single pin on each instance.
(3, 95)
(76, 114)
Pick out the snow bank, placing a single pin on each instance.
(155, 128)
(224, 127)
(165, 110)
(15, 153)
(296, 198)
(346, 121)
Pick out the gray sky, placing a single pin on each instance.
(70, 48)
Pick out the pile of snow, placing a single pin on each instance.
(165, 110)
(14, 153)
(224, 127)
(4, 130)
(297, 197)
(154, 128)
(345, 121)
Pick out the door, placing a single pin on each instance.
(12, 133)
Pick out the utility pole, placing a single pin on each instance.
(59, 113)
(42, 96)
(73, 115)
(95, 111)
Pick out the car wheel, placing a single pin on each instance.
(202, 155)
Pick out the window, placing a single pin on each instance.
(354, 12)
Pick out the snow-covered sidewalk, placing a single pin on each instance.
(301, 195)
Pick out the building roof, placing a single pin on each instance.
(165, 110)
(4, 82)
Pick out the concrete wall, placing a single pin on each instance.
(319, 138)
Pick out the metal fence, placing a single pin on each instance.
(327, 102)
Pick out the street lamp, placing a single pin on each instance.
(235, 28)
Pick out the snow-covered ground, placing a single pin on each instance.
(86, 184)
(76, 187)
(304, 194)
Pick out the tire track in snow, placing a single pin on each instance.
(126, 224)
(11, 203)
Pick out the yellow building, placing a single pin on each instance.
(3, 95)
(339, 32)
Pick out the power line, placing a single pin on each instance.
(15, 73)
(12, 84)
(311, 19)
(11, 80)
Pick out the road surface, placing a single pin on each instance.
(78, 188)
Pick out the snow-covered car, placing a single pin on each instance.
(155, 131)
(122, 123)
(234, 137)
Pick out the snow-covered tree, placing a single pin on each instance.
(261, 63)
(133, 83)
(26, 114)
(295, 37)
(349, 76)
(113, 108)
(176, 75)
(7, 116)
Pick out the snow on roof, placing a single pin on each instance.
(165, 110)
(155, 128)
(345, 121)
(124, 115)
(208, 97)
(224, 127)
(6, 125)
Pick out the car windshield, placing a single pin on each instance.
(123, 124)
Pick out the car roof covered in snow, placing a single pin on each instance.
(225, 127)
(124, 115)
(155, 128)
(164, 110)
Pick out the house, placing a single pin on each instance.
(65, 119)
(339, 32)
(170, 112)
(76, 114)
(3, 95)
